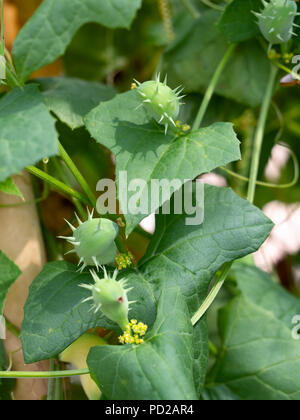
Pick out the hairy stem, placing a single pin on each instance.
(164, 9)
(45, 375)
(213, 294)
(57, 184)
(80, 179)
(259, 135)
(212, 87)
(191, 8)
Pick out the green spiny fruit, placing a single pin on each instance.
(160, 101)
(110, 296)
(93, 241)
(276, 21)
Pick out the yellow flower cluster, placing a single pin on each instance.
(182, 128)
(124, 261)
(133, 333)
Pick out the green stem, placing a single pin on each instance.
(80, 179)
(51, 383)
(212, 87)
(268, 184)
(44, 375)
(57, 184)
(258, 141)
(259, 134)
(191, 8)
(213, 294)
(12, 328)
(79, 207)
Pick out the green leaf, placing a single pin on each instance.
(238, 22)
(192, 60)
(259, 359)
(9, 187)
(47, 34)
(219, 393)
(55, 316)
(9, 273)
(144, 151)
(71, 99)
(159, 369)
(27, 130)
(189, 256)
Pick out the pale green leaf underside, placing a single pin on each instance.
(9, 273)
(260, 360)
(27, 130)
(144, 151)
(159, 369)
(49, 31)
(71, 99)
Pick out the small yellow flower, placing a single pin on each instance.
(133, 333)
(124, 261)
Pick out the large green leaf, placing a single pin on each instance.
(27, 130)
(189, 256)
(144, 151)
(49, 31)
(192, 60)
(71, 99)
(259, 359)
(159, 369)
(9, 273)
(55, 317)
(238, 22)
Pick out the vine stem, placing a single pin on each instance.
(44, 375)
(258, 141)
(259, 135)
(212, 87)
(80, 179)
(191, 8)
(212, 295)
(57, 184)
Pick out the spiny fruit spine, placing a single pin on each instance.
(276, 20)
